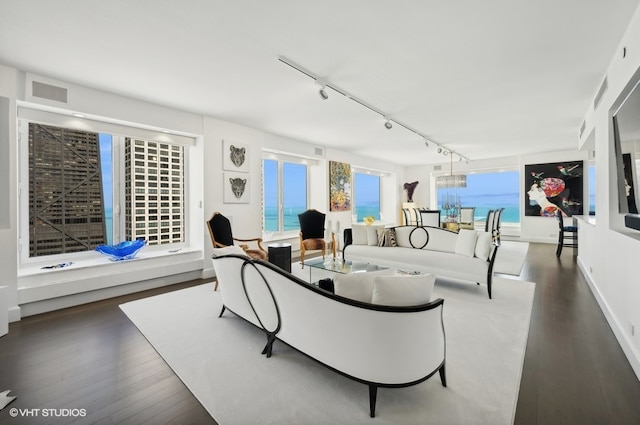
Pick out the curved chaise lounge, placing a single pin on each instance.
(379, 346)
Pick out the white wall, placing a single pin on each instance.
(611, 263)
(9, 79)
(34, 292)
(37, 293)
(247, 218)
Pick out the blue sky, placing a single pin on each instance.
(106, 166)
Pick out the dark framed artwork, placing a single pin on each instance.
(629, 183)
(339, 186)
(552, 187)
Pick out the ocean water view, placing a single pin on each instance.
(511, 214)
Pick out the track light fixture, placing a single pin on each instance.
(323, 88)
(322, 91)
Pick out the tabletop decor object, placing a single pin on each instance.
(123, 251)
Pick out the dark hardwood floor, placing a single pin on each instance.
(92, 357)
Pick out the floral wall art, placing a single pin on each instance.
(554, 187)
(339, 186)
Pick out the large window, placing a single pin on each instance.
(88, 188)
(366, 194)
(486, 191)
(284, 194)
(591, 181)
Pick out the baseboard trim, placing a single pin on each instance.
(629, 350)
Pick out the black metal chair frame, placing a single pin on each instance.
(567, 236)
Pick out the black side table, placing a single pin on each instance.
(280, 255)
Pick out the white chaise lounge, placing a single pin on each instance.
(467, 255)
(377, 345)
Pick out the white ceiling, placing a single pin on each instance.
(485, 78)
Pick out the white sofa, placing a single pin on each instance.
(467, 255)
(377, 345)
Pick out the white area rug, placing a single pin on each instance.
(220, 362)
(510, 257)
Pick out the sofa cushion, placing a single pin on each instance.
(359, 233)
(466, 243)
(358, 286)
(427, 261)
(228, 250)
(483, 245)
(402, 290)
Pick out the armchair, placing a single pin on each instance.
(312, 234)
(221, 236)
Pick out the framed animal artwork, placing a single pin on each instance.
(236, 188)
(235, 156)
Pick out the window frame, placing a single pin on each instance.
(280, 160)
(355, 198)
(436, 197)
(118, 132)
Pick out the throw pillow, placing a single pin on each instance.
(404, 290)
(228, 250)
(358, 286)
(392, 237)
(386, 237)
(466, 242)
(483, 245)
(359, 234)
(372, 235)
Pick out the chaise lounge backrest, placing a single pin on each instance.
(373, 344)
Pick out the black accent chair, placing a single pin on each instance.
(221, 236)
(312, 234)
(568, 235)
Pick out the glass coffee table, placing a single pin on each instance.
(322, 269)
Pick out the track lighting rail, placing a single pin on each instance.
(324, 84)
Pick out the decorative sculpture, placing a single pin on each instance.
(410, 188)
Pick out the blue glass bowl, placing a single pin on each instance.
(122, 251)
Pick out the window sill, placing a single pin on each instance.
(95, 271)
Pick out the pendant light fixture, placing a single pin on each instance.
(452, 180)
